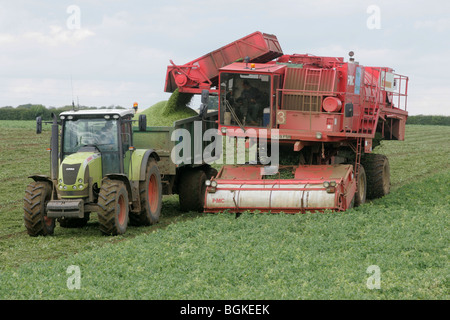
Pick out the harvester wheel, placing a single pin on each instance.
(151, 197)
(114, 207)
(378, 175)
(360, 195)
(37, 195)
(192, 190)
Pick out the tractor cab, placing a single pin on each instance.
(99, 132)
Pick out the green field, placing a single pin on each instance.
(256, 256)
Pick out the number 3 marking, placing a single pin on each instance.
(281, 117)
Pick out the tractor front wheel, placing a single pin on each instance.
(37, 195)
(114, 207)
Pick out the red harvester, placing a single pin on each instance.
(327, 114)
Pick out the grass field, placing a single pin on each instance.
(256, 256)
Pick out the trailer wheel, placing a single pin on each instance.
(151, 197)
(114, 208)
(378, 175)
(37, 195)
(361, 191)
(192, 190)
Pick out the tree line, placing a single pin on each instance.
(429, 120)
(31, 111)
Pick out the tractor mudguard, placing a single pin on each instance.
(139, 161)
(41, 177)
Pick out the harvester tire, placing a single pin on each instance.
(151, 197)
(361, 191)
(37, 195)
(114, 207)
(378, 175)
(192, 190)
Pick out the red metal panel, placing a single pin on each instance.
(259, 47)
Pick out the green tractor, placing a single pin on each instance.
(94, 168)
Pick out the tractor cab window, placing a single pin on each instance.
(244, 99)
(98, 133)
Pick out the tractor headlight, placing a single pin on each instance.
(319, 135)
(80, 187)
(326, 184)
(80, 180)
(332, 183)
(74, 187)
(207, 183)
(214, 184)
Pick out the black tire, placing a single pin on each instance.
(150, 192)
(378, 175)
(361, 190)
(192, 190)
(114, 207)
(37, 195)
(210, 172)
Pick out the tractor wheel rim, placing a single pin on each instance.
(48, 221)
(122, 210)
(153, 193)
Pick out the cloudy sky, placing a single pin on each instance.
(116, 52)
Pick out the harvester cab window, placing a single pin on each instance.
(245, 98)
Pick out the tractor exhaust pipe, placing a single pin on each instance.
(54, 148)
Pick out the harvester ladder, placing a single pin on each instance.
(371, 108)
(358, 151)
(312, 83)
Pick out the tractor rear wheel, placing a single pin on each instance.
(114, 207)
(151, 197)
(37, 195)
(361, 190)
(378, 175)
(192, 190)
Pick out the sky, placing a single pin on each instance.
(116, 52)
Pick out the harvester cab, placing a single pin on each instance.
(94, 168)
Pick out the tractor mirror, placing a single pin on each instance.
(38, 125)
(142, 122)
